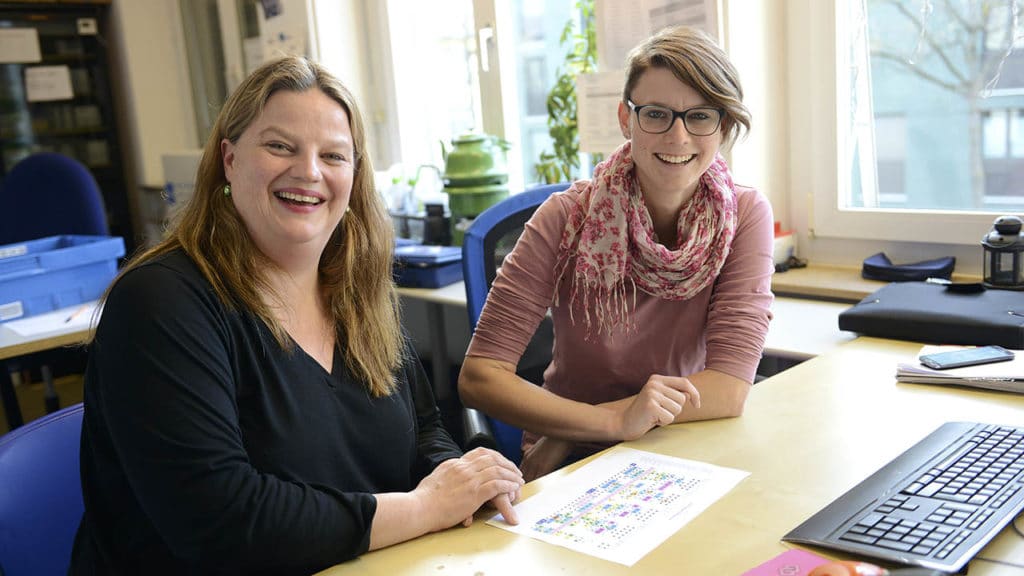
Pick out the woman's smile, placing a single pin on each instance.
(672, 159)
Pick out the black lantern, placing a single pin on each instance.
(1004, 254)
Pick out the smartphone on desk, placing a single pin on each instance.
(966, 357)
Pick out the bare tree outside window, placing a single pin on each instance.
(946, 77)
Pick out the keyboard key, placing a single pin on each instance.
(894, 544)
(870, 520)
(862, 538)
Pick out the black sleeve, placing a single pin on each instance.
(434, 443)
(166, 396)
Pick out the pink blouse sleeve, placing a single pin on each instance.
(740, 307)
(524, 287)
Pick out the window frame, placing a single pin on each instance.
(817, 144)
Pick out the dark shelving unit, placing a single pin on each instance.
(71, 34)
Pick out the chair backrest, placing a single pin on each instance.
(40, 494)
(50, 194)
(490, 237)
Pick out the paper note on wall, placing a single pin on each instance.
(48, 83)
(597, 104)
(623, 25)
(19, 46)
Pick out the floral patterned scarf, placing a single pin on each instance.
(612, 238)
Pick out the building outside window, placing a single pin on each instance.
(945, 87)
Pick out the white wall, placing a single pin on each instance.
(755, 43)
(156, 96)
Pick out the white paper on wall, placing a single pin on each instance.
(19, 46)
(597, 103)
(48, 83)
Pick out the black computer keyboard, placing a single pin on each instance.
(936, 505)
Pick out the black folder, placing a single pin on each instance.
(923, 312)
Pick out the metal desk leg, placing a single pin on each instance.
(439, 350)
(10, 401)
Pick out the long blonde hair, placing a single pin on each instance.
(697, 61)
(355, 267)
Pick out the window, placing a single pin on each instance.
(442, 88)
(433, 52)
(924, 120)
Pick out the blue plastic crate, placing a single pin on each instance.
(50, 273)
(420, 266)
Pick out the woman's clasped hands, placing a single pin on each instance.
(658, 403)
(457, 488)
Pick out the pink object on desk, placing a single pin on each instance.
(790, 563)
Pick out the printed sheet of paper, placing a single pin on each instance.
(623, 25)
(597, 104)
(48, 83)
(19, 45)
(622, 505)
(59, 321)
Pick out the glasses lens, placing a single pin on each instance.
(655, 119)
(702, 121)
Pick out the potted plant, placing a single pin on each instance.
(563, 163)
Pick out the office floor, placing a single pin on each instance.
(31, 397)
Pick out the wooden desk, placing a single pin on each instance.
(808, 435)
(13, 345)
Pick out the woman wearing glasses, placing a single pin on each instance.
(656, 272)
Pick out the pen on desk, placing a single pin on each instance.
(75, 314)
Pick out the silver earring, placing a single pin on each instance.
(227, 190)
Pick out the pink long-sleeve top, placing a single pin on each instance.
(722, 328)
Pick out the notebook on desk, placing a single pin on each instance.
(936, 505)
(1004, 376)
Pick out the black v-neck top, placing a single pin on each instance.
(209, 449)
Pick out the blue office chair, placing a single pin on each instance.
(490, 237)
(40, 494)
(49, 194)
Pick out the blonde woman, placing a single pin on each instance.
(251, 405)
(657, 273)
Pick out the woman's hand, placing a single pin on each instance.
(458, 487)
(544, 456)
(657, 404)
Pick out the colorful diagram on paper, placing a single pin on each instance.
(622, 504)
(615, 508)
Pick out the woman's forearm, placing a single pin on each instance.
(399, 517)
(721, 396)
(493, 387)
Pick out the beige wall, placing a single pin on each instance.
(755, 41)
(156, 99)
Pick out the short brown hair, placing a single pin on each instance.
(697, 61)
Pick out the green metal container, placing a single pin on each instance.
(466, 203)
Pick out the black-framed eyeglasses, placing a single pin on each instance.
(699, 120)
